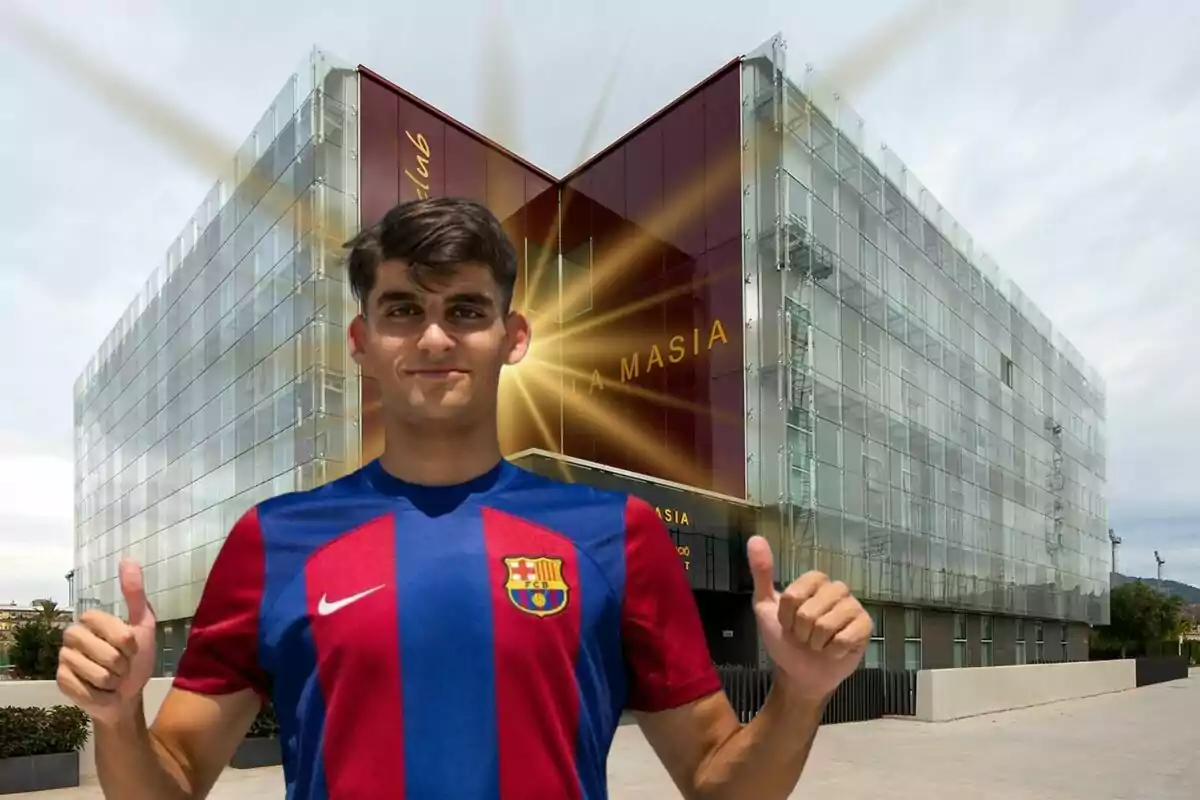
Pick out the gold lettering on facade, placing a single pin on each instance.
(685, 553)
(655, 360)
(673, 516)
(423, 157)
(676, 348)
(716, 335)
(628, 373)
(631, 365)
(656, 357)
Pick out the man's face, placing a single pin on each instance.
(437, 351)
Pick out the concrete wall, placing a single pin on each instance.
(43, 694)
(947, 694)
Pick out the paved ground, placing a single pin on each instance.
(1143, 744)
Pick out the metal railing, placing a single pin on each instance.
(867, 694)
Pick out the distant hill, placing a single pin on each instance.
(1189, 593)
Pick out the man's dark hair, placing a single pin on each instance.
(433, 236)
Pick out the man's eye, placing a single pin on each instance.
(403, 311)
(466, 312)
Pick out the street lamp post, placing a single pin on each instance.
(70, 576)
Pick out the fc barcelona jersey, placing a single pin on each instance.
(477, 641)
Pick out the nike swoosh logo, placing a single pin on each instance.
(325, 608)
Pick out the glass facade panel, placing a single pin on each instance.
(912, 638)
(225, 382)
(949, 415)
(876, 648)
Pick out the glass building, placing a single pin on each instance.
(811, 349)
(225, 382)
(942, 446)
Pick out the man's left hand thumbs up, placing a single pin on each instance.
(814, 630)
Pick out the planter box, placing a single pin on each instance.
(35, 773)
(255, 753)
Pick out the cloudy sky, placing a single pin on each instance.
(1061, 134)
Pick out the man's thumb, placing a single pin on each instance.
(762, 568)
(133, 587)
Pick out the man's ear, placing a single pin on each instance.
(519, 335)
(356, 336)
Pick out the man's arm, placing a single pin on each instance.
(675, 692)
(219, 688)
(708, 754)
(180, 758)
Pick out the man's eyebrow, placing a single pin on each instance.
(403, 296)
(473, 298)
(395, 296)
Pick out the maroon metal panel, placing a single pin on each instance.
(644, 176)
(378, 149)
(722, 147)
(682, 155)
(505, 186)
(663, 339)
(466, 166)
(374, 77)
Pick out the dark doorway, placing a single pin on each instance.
(729, 627)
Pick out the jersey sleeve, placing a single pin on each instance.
(665, 650)
(222, 653)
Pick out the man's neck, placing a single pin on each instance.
(439, 457)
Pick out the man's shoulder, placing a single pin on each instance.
(584, 513)
(535, 490)
(341, 503)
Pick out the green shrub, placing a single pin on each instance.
(34, 650)
(265, 725)
(42, 731)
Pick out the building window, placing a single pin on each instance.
(985, 642)
(876, 657)
(1006, 370)
(1065, 649)
(1039, 644)
(1020, 655)
(912, 638)
(168, 652)
(960, 640)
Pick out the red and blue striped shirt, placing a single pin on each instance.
(473, 641)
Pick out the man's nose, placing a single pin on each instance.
(435, 340)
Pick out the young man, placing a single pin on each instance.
(441, 623)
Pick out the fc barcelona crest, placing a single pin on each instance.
(536, 585)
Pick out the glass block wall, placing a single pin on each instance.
(926, 433)
(226, 381)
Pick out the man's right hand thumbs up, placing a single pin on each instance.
(105, 663)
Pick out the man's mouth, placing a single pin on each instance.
(436, 374)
